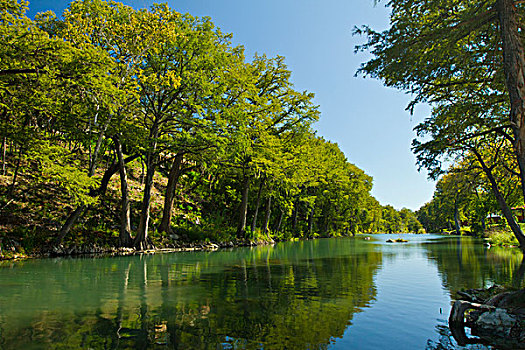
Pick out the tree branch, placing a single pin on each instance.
(18, 71)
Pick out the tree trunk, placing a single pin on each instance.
(110, 171)
(125, 212)
(257, 204)
(73, 217)
(295, 214)
(15, 175)
(93, 159)
(457, 324)
(514, 68)
(326, 219)
(457, 224)
(142, 173)
(173, 179)
(507, 212)
(241, 230)
(76, 214)
(311, 221)
(4, 147)
(279, 222)
(70, 221)
(142, 235)
(268, 213)
(4, 141)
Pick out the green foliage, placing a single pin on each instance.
(105, 83)
(500, 237)
(54, 164)
(457, 56)
(466, 193)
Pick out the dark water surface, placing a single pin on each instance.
(323, 294)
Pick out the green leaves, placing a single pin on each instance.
(167, 84)
(55, 165)
(445, 53)
(465, 59)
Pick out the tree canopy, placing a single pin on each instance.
(464, 58)
(206, 144)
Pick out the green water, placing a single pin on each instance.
(322, 294)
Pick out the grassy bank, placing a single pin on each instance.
(500, 236)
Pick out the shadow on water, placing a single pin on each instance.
(300, 295)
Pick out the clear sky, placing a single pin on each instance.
(367, 120)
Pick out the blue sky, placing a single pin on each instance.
(367, 120)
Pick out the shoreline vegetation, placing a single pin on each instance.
(137, 129)
(148, 128)
(14, 252)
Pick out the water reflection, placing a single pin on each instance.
(465, 263)
(338, 293)
(447, 342)
(299, 295)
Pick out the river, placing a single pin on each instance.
(346, 293)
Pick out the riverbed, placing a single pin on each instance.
(346, 293)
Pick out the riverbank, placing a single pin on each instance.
(494, 235)
(16, 252)
(496, 317)
(32, 217)
(501, 237)
(94, 249)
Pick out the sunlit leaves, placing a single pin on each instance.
(446, 53)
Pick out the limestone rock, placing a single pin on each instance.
(498, 321)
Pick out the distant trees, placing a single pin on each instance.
(466, 194)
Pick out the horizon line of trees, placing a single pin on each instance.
(89, 95)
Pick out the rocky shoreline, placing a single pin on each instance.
(97, 250)
(496, 316)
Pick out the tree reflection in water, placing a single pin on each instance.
(464, 263)
(292, 296)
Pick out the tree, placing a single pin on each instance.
(180, 77)
(213, 80)
(270, 118)
(481, 183)
(83, 95)
(115, 29)
(47, 86)
(447, 53)
(454, 190)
